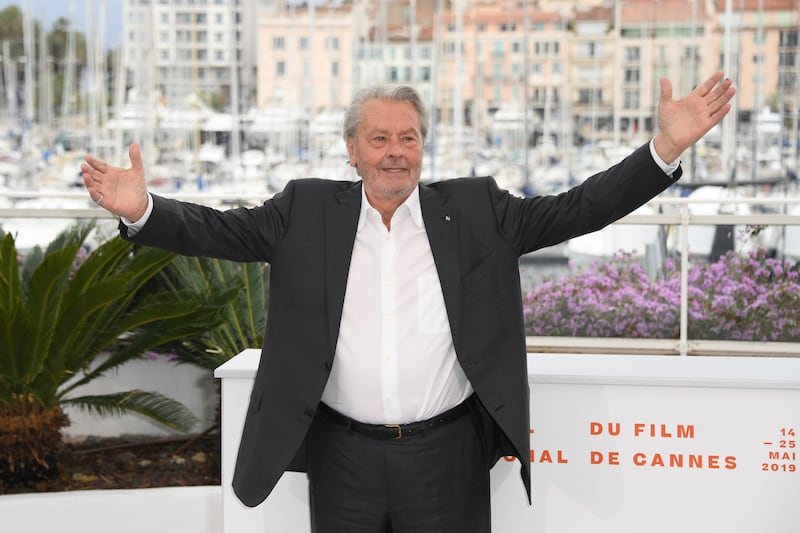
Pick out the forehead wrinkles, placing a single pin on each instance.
(386, 116)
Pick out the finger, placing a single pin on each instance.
(722, 100)
(725, 91)
(94, 194)
(88, 181)
(666, 90)
(707, 86)
(90, 175)
(97, 164)
(135, 154)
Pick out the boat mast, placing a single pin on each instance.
(69, 70)
(234, 74)
(728, 131)
(27, 38)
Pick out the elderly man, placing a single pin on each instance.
(393, 369)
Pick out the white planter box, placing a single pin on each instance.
(171, 509)
(618, 444)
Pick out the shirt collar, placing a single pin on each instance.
(411, 203)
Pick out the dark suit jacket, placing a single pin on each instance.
(477, 233)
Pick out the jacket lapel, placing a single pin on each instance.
(441, 225)
(341, 221)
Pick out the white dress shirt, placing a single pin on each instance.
(395, 361)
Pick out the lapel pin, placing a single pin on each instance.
(446, 218)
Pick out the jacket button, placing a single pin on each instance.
(309, 413)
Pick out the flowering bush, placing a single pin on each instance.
(752, 297)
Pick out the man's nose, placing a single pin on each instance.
(395, 148)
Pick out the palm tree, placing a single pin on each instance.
(59, 310)
(244, 288)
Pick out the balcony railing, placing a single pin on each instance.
(674, 212)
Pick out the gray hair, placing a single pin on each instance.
(395, 93)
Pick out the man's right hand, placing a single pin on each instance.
(121, 191)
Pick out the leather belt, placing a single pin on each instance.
(398, 431)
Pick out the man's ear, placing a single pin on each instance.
(350, 150)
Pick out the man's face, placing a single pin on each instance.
(387, 150)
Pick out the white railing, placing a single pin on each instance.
(679, 216)
(682, 218)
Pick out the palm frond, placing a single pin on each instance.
(155, 406)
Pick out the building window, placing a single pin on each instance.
(280, 69)
(302, 43)
(786, 59)
(278, 43)
(335, 69)
(497, 72)
(498, 49)
(631, 75)
(631, 100)
(590, 49)
(332, 43)
(632, 53)
(588, 96)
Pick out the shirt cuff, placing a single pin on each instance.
(134, 227)
(668, 168)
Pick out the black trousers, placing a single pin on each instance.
(435, 482)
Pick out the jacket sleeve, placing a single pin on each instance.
(533, 223)
(240, 234)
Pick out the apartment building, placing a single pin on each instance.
(595, 61)
(306, 55)
(495, 47)
(764, 46)
(180, 48)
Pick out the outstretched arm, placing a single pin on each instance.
(121, 191)
(683, 122)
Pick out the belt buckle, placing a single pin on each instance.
(399, 430)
